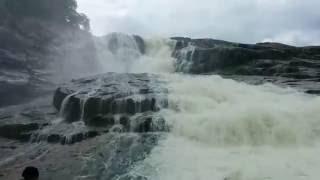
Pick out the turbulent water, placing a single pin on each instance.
(126, 57)
(222, 129)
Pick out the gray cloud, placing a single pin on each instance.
(288, 21)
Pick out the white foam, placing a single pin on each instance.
(225, 130)
(225, 112)
(157, 58)
(180, 158)
(128, 59)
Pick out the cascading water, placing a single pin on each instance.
(157, 58)
(184, 58)
(219, 128)
(141, 119)
(222, 129)
(120, 50)
(121, 53)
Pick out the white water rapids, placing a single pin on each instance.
(227, 130)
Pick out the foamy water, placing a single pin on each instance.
(225, 130)
(181, 158)
(218, 111)
(221, 129)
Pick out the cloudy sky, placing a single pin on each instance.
(249, 21)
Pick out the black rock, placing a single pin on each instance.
(95, 99)
(18, 131)
(102, 121)
(200, 56)
(54, 138)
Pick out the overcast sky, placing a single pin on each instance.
(249, 21)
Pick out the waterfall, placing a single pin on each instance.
(218, 128)
(227, 130)
(123, 53)
(116, 52)
(185, 58)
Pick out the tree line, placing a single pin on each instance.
(57, 11)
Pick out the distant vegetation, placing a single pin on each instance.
(57, 11)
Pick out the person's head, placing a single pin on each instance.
(30, 173)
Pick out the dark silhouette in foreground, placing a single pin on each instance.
(30, 173)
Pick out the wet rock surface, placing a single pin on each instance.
(21, 121)
(109, 156)
(104, 100)
(266, 59)
(268, 62)
(105, 145)
(89, 107)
